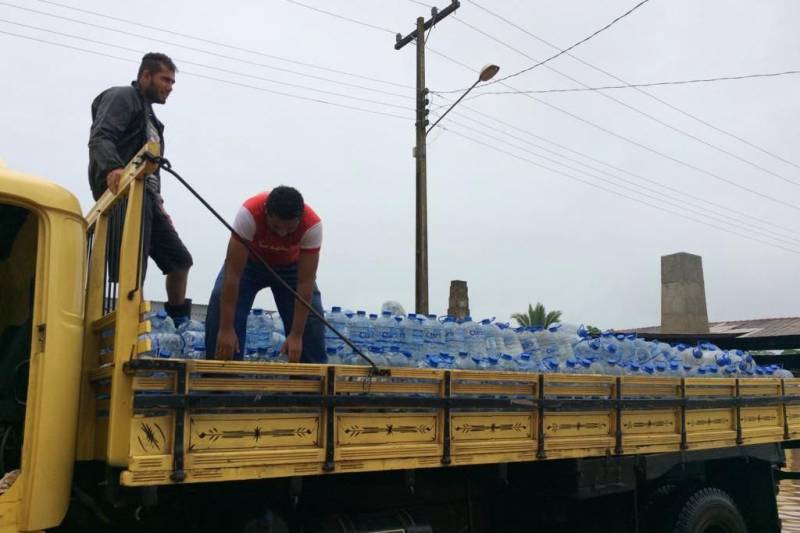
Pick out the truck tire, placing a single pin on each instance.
(709, 510)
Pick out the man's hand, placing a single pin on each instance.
(227, 344)
(293, 347)
(113, 178)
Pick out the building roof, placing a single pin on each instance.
(759, 327)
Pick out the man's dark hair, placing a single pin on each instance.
(153, 61)
(285, 203)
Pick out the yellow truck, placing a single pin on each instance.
(106, 438)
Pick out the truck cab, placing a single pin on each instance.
(42, 281)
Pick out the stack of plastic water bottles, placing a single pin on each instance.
(186, 341)
(264, 337)
(429, 342)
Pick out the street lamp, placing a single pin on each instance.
(487, 73)
(420, 153)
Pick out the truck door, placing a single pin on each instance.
(42, 258)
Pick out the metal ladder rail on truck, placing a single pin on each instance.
(108, 439)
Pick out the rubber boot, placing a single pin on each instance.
(179, 313)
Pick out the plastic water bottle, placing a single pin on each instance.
(360, 330)
(474, 338)
(160, 321)
(511, 342)
(527, 339)
(198, 351)
(338, 320)
(193, 333)
(334, 357)
(464, 361)
(506, 363)
(524, 362)
(492, 347)
(167, 341)
(386, 330)
(453, 335)
(414, 335)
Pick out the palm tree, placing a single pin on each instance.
(537, 316)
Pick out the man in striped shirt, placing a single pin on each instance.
(287, 234)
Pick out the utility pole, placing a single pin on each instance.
(420, 151)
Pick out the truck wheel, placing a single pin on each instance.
(709, 510)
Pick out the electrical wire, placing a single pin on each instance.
(642, 91)
(671, 200)
(267, 80)
(224, 45)
(572, 47)
(211, 67)
(641, 145)
(617, 193)
(626, 139)
(632, 108)
(342, 17)
(220, 80)
(635, 85)
(208, 52)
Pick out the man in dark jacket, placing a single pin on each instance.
(122, 122)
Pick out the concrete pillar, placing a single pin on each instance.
(683, 294)
(459, 299)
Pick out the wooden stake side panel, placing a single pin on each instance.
(237, 444)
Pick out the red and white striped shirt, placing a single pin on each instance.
(251, 224)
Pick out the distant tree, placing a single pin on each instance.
(537, 316)
(594, 331)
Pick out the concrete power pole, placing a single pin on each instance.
(420, 152)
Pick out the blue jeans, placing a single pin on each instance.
(254, 278)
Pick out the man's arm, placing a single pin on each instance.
(306, 276)
(235, 262)
(112, 117)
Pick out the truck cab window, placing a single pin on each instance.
(18, 245)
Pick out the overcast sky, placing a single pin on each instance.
(516, 232)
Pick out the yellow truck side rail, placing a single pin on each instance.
(201, 421)
(113, 308)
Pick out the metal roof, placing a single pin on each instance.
(758, 327)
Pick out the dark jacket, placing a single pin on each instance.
(119, 130)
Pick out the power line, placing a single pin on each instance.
(198, 75)
(683, 195)
(635, 85)
(225, 45)
(208, 52)
(211, 67)
(617, 193)
(564, 51)
(436, 52)
(632, 108)
(499, 121)
(671, 200)
(455, 61)
(642, 91)
(342, 17)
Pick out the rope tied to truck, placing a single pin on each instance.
(165, 164)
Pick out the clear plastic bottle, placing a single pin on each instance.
(492, 346)
(360, 330)
(474, 338)
(453, 335)
(506, 363)
(386, 330)
(338, 320)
